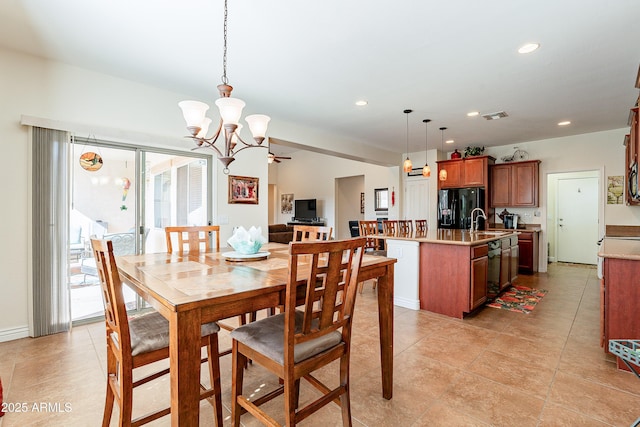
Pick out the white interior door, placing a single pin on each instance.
(416, 199)
(577, 231)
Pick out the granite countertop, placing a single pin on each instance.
(620, 248)
(454, 237)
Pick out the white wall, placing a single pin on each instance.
(312, 176)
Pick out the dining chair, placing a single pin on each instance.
(405, 227)
(307, 336)
(421, 226)
(139, 341)
(303, 233)
(390, 227)
(373, 245)
(195, 240)
(192, 238)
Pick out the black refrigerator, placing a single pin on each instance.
(455, 206)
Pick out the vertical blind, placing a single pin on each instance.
(50, 201)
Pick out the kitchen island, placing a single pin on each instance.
(446, 271)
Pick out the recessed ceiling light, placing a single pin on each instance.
(361, 103)
(565, 123)
(472, 113)
(529, 47)
(450, 141)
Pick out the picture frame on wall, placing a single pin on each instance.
(243, 189)
(286, 203)
(361, 203)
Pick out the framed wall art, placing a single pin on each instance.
(286, 203)
(243, 189)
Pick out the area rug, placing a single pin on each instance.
(519, 299)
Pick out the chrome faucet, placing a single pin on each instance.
(480, 215)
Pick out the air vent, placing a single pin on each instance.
(495, 116)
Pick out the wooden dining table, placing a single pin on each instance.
(193, 289)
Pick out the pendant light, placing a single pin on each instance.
(407, 165)
(443, 172)
(426, 170)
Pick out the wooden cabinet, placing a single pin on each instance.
(453, 278)
(620, 302)
(467, 172)
(528, 244)
(509, 259)
(479, 271)
(514, 184)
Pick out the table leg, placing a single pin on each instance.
(184, 349)
(385, 318)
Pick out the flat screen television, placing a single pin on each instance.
(305, 209)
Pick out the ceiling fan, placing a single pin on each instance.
(273, 158)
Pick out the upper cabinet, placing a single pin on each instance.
(515, 184)
(467, 172)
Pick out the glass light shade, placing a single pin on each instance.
(234, 135)
(426, 171)
(230, 109)
(407, 165)
(204, 128)
(193, 112)
(270, 158)
(443, 175)
(258, 124)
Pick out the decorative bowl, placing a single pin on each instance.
(247, 247)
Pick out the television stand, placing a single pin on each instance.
(305, 222)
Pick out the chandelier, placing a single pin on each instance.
(230, 113)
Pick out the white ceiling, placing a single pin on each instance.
(308, 62)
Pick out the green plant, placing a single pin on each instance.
(473, 151)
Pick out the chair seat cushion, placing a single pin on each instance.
(150, 332)
(267, 337)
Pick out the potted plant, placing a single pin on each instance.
(473, 151)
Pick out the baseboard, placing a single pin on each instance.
(552, 259)
(407, 303)
(14, 333)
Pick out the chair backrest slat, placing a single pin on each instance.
(390, 227)
(405, 227)
(421, 225)
(114, 305)
(191, 239)
(369, 228)
(304, 233)
(328, 272)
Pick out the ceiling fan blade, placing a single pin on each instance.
(282, 157)
(275, 159)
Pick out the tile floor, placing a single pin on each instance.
(496, 368)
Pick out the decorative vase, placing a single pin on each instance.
(456, 154)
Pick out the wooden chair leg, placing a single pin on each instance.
(238, 363)
(126, 398)
(108, 406)
(290, 401)
(345, 398)
(214, 377)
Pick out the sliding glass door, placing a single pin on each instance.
(128, 195)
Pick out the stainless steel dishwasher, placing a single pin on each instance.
(493, 273)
